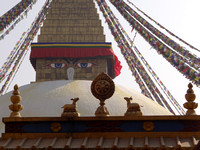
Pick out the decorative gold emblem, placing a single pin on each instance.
(56, 127)
(102, 88)
(148, 126)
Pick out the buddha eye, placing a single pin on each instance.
(84, 65)
(57, 65)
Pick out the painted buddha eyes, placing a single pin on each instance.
(57, 65)
(62, 65)
(84, 65)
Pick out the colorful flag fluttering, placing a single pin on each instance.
(172, 34)
(185, 62)
(16, 56)
(13, 14)
(147, 86)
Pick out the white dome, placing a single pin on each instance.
(46, 99)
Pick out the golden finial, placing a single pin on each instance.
(133, 109)
(102, 88)
(70, 110)
(15, 99)
(190, 97)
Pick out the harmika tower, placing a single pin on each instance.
(72, 45)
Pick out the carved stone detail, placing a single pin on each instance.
(190, 97)
(102, 88)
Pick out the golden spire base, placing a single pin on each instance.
(15, 99)
(190, 105)
(102, 111)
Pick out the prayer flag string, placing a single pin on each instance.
(31, 33)
(14, 12)
(176, 60)
(163, 27)
(11, 57)
(191, 59)
(159, 82)
(129, 55)
(16, 21)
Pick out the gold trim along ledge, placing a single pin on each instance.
(24, 119)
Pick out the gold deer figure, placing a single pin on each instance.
(133, 109)
(70, 110)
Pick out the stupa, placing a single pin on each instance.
(71, 52)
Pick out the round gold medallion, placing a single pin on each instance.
(102, 87)
(56, 127)
(148, 126)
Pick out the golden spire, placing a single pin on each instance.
(190, 97)
(15, 99)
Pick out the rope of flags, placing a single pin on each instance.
(14, 13)
(172, 34)
(16, 21)
(121, 45)
(13, 76)
(150, 84)
(11, 57)
(160, 83)
(191, 59)
(132, 60)
(22, 48)
(175, 59)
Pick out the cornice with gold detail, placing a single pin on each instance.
(24, 119)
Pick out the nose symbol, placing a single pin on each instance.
(70, 73)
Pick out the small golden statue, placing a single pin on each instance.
(190, 97)
(16, 106)
(70, 110)
(133, 109)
